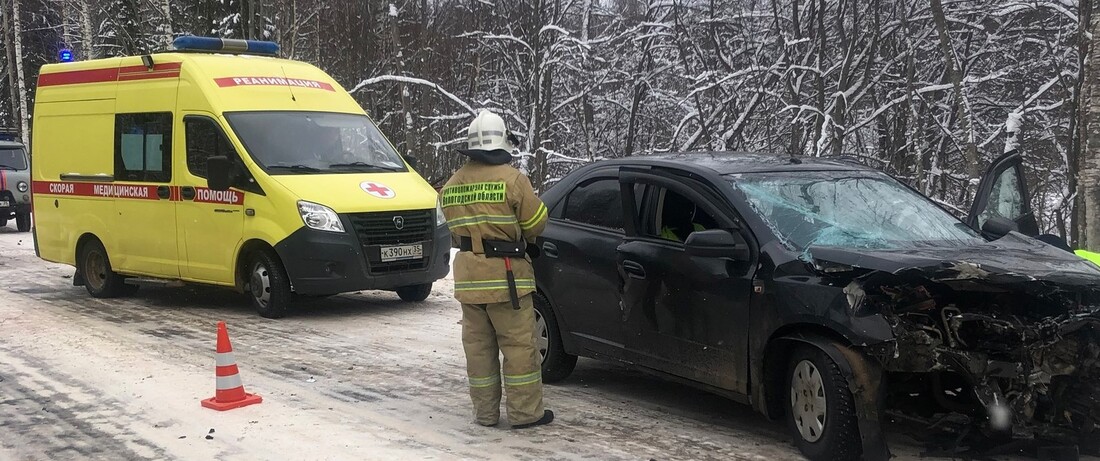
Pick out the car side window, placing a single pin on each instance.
(597, 202)
(1004, 198)
(143, 147)
(677, 217)
(204, 140)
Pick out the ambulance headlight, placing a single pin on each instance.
(319, 217)
(22, 186)
(439, 218)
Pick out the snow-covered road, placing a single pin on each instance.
(361, 376)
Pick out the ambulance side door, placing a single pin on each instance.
(142, 240)
(211, 223)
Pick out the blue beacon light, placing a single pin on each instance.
(65, 55)
(226, 45)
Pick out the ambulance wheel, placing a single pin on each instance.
(268, 285)
(556, 363)
(415, 293)
(23, 222)
(99, 279)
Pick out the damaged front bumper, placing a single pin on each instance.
(1035, 381)
(1007, 342)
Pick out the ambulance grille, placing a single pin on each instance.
(379, 229)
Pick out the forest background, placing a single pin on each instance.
(929, 91)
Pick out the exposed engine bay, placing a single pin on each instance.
(1005, 354)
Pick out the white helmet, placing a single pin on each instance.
(487, 132)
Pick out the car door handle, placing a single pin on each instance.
(633, 269)
(187, 192)
(550, 250)
(164, 192)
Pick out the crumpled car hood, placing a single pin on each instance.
(1014, 258)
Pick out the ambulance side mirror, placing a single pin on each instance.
(412, 161)
(219, 172)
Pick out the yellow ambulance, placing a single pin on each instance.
(220, 164)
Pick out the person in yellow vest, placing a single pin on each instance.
(494, 214)
(1091, 256)
(679, 218)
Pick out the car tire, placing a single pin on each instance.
(99, 279)
(415, 293)
(3, 222)
(824, 423)
(23, 222)
(556, 363)
(268, 285)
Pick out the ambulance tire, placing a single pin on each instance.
(99, 279)
(23, 222)
(268, 285)
(415, 293)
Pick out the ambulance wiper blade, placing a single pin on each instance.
(364, 165)
(303, 168)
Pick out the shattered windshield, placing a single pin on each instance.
(849, 209)
(315, 142)
(12, 159)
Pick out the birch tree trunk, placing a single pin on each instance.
(166, 10)
(20, 82)
(399, 65)
(954, 74)
(87, 33)
(1079, 137)
(9, 58)
(1088, 181)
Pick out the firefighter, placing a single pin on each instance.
(494, 214)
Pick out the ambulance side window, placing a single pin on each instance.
(204, 140)
(143, 147)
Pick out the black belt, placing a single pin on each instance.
(495, 248)
(500, 249)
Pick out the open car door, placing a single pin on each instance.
(1003, 193)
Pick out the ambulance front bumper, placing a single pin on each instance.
(326, 263)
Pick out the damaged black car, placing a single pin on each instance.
(827, 294)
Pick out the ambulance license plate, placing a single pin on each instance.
(402, 252)
(4, 204)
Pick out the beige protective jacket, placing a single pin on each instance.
(492, 202)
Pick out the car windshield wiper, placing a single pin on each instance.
(364, 165)
(9, 167)
(302, 168)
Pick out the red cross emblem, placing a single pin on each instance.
(377, 190)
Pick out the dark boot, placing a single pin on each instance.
(545, 419)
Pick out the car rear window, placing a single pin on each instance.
(598, 203)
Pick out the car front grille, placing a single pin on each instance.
(378, 229)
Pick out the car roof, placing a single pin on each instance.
(10, 144)
(743, 162)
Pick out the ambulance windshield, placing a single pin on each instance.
(294, 142)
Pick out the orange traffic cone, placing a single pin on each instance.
(230, 392)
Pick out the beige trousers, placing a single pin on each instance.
(487, 329)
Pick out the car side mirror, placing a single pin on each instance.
(717, 243)
(412, 161)
(219, 172)
(999, 226)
